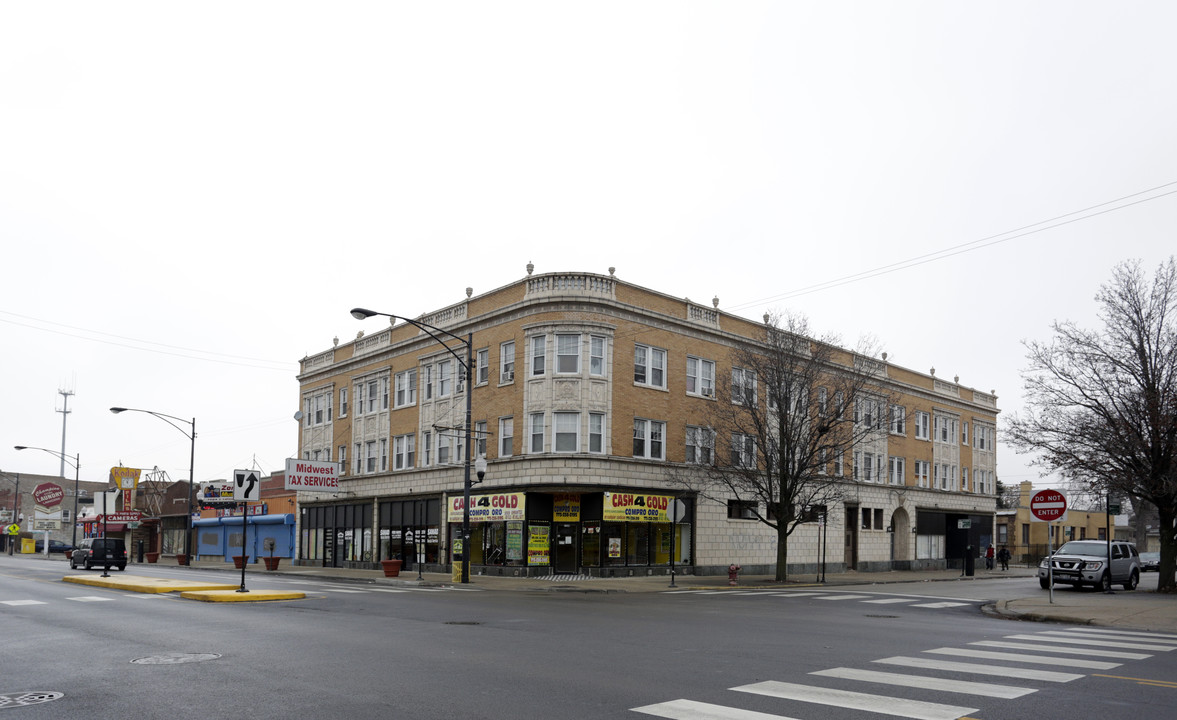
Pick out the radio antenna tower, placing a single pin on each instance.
(65, 396)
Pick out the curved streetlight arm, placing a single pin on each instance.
(73, 460)
(364, 314)
(166, 418)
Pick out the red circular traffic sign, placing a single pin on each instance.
(1048, 505)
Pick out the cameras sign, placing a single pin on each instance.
(1048, 506)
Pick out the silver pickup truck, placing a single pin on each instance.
(1085, 562)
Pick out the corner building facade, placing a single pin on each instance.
(587, 393)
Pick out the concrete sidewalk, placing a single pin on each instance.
(1138, 609)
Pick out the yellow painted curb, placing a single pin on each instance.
(139, 584)
(235, 596)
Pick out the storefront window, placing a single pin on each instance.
(408, 531)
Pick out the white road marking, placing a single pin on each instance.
(890, 601)
(21, 602)
(940, 605)
(91, 598)
(1089, 640)
(1162, 645)
(979, 669)
(927, 683)
(1023, 657)
(1137, 633)
(858, 701)
(691, 710)
(1062, 650)
(840, 597)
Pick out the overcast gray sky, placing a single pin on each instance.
(192, 196)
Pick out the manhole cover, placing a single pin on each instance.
(33, 697)
(175, 658)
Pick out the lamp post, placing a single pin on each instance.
(191, 467)
(468, 366)
(76, 462)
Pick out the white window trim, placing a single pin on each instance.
(649, 366)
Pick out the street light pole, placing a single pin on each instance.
(76, 461)
(468, 365)
(191, 468)
(15, 508)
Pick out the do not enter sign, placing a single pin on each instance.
(1048, 506)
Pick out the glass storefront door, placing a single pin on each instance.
(566, 553)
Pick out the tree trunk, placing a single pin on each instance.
(782, 553)
(1167, 582)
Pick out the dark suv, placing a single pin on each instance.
(101, 552)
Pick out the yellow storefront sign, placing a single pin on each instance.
(635, 507)
(538, 545)
(565, 507)
(489, 508)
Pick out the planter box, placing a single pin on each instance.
(271, 562)
(239, 561)
(392, 568)
(182, 559)
(151, 557)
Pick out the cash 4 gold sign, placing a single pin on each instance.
(620, 507)
(490, 508)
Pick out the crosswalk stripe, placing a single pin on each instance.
(340, 590)
(1138, 633)
(796, 594)
(927, 683)
(841, 597)
(386, 590)
(889, 601)
(1088, 640)
(1023, 657)
(691, 710)
(1064, 650)
(91, 598)
(1021, 673)
(21, 602)
(940, 605)
(916, 709)
(1160, 644)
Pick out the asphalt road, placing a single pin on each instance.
(356, 651)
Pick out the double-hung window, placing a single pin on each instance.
(483, 365)
(342, 402)
(897, 470)
(596, 433)
(922, 425)
(700, 445)
(597, 355)
(743, 450)
(568, 354)
(537, 433)
(506, 436)
(383, 454)
(700, 377)
(406, 388)
(404, 451)
(480, 438)
(743, 386)
(373, 394)
(507, 362)
(898, 420)
(649, 366)
(921, 473)
(445, 381)
(539, 349)
(566, 431)
(649, 439)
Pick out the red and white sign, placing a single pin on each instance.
(312, 475)
(48, 495)
(1048, 506)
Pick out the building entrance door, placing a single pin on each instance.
(851, 557)
(566, 548)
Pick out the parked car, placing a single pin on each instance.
(101, 552)
(54, 546)
(1085, 562)
(1150, 562)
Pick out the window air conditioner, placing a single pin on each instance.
(509, 376)
(708, 392)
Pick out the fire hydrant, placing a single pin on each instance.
(733, 574)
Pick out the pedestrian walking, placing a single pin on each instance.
(989, 558)
(1003, 557)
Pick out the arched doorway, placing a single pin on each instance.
(901, 540)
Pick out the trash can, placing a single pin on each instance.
(969, 562)
(139, 551)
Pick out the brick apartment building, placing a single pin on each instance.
(587, 391)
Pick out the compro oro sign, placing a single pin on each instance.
(1048, 506)
(312, 475)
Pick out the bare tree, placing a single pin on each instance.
(789, 417)
(1102, 406)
